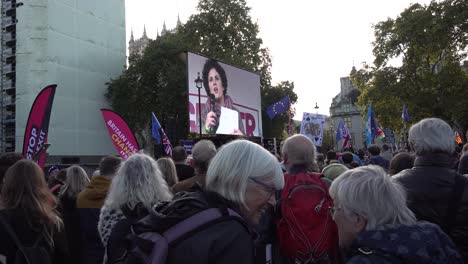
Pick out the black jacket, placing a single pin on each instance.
(27, 236)
(224, 242)
(429, 185)
(71, 221)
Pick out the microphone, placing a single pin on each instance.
(212, 104)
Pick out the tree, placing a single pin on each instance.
(223, 30)
(152, 83)
(431, 41)
(277, 126)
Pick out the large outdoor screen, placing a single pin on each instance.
(229, 96)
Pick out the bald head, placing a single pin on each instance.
(202, 154)
(299, 150)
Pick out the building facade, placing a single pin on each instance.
(78, 45)
(137, 47)
(344, 108)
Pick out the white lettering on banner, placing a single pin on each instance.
(116, 130)
(31, 144)
(41, 141)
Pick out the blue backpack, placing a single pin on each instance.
(153, 247)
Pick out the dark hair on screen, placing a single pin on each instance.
(212, 64)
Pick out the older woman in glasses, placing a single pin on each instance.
(240, 183)
(376, 226)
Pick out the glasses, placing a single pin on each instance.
(333, 209)
(269, 189)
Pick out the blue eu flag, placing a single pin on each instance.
(278, 108)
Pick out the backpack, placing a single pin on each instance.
(153, 247)
(35, 254)
(306, 230)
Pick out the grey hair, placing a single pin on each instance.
(202, 154)
(75, 182)
(300, 150)
(369, 192)
(236, 162)
(138, 180)
(432, 135)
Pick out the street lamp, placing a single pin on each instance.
(331, 136)
(316, 107)
(198, 84)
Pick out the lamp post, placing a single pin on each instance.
(198, 84)
(331, 136)
(316, 107)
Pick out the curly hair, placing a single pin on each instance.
(212, 64)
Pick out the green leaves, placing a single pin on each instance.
(223, 30)
(431, 42)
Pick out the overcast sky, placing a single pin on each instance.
(312, 43)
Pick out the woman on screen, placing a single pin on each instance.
(215, 83)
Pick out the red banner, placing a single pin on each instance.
(37, 127)
(121, 135)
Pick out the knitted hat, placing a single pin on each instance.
(52, 169)
(333, 170)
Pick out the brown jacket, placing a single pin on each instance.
(187, 184)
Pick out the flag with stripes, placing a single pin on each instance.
(166, 143)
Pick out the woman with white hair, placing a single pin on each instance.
(76, 180)
(137, 186)
(436, 193)
(241, 182)
(376, 226)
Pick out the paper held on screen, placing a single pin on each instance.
(228, 121)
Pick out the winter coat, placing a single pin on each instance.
(429, 185)
(184, 172)
(186, 185)
(27, 236)
(420, 243)
(226, 242)
(378, 160)
(89, 203)
(463, 164)
(114, 226)
(71, 222)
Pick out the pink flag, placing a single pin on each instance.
(121, 135)
(37, 127)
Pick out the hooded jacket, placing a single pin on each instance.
(420, 243)
(89, 203)
(224, 242)
(429, 186)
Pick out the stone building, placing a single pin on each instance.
(344, 108)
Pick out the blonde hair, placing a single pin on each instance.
(168, 170)
(75, 182)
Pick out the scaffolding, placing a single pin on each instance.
(8, 75)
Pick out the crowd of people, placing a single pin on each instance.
(241, 204)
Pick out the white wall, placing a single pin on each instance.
(80, 46)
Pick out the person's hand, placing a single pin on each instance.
(237, 132)
(211, 120)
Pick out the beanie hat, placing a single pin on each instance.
(52, 169)
(333, 170)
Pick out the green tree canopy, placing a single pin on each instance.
(222, 29)
(431, 42)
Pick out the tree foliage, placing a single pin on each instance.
(222, 29)
(431, 42)
(277, 126)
